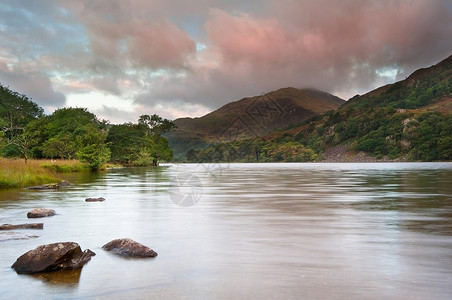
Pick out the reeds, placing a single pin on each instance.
(16, 173)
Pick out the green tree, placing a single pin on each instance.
(159, 149)
(56, 136)
(92, 148)
(128, 144)
(70, 133)
(60, 146)
(142, 143)
(16, 111)
(155, 127)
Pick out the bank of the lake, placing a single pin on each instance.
(18, 173)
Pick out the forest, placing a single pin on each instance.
(75, 133)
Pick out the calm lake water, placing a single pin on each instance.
(245, 231)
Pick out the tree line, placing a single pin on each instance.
(76, 133)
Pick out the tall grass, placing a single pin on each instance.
(65, 166)
(15, 173)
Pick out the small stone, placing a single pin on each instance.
(130, 248)
(14, 236)
(100, 199)
(40, 213)
(50, 186)
(22, 226)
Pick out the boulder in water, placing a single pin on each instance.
(100, 199)
(22, 226)
(41, 213)
(130, 248)
(52, 257)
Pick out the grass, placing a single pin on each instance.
(64, 166)
(15, 173)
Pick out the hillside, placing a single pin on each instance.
(410, 120)
(250, 117)
(423, 87)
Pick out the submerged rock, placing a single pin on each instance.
(22, 226)
(52, 257)
(128, 247)
(14, 236)
(64, 183)
(50, 186)
(100, 199)
(40, 213)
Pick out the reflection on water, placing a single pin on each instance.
(64, 277)
(363, 231)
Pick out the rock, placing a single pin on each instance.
(64, 183)
(52, 257)
(40, 213)
(50, 186)
(22, 226)
(14, 236)
(128, 247)
(100, 199)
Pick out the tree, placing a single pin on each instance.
(155, 126)
(160, 150)
(61, 146)
(128, 144)
(71, 133)
(16, 111)
(55, 136)
(142, 143)
(92, 148)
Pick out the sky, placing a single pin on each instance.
(177, 58)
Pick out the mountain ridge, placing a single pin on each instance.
(250, 117)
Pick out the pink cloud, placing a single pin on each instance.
(160, 44)
(328, 44)
(130, 34)
(147, 49)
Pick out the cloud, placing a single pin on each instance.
(107, 84)
(148, 51)
(331, 45)
(343, 47)
(34, 85)
(129, 34)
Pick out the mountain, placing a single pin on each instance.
(250, 117)
(410, 120)
(423, 87)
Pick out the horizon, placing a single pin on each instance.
(124, 59)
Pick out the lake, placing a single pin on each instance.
(244, 231)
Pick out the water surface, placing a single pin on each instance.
(271, 231)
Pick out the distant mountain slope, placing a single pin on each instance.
(251, 117)
(408, 120)
(423, 87)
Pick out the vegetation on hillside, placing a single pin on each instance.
(423, 87)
